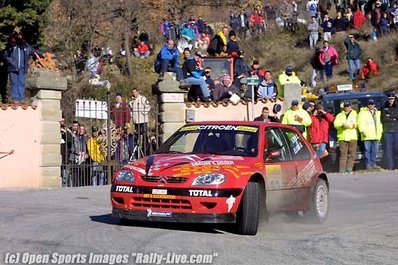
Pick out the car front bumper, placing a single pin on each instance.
(164, 216)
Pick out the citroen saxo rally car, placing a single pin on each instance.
(224, 172)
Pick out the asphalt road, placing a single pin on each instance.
(74, 226)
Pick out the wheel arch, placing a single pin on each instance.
(325, 178)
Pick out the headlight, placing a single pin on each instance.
(125, 175)
(209, 179)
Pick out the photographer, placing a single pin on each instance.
(319, 130)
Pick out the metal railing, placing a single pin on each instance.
(92, 150)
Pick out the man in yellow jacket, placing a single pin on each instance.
(297, 117)
(347, 136)
(288, 76)
(370, 130)
(97, 156)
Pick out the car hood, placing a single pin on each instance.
(179, 165)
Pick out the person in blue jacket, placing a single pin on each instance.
(168, 59)
(16, 55)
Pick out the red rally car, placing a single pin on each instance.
(224, 172)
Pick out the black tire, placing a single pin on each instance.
(249, 210)
(319, 207)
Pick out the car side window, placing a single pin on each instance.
(276, 141)
(297, 146)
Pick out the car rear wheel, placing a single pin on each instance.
(319, 209)
(249, 210)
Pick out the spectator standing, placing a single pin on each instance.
(394, 15)
(346, 126)
(233, 49)
(327, 26)
(267, 88)
(17, 54)
(376, 14)
(257, 22)
(328, 58)
(358, 19)
(313, 29)
(243, 25)
(340, 23)
(319, 130)
(370, 130)
(317, 67)
(168, 60)
(120, 112)
(79, 155)
(140, 108)
(233, 20)
(384, 24)
(286, 12)
(64, 151)
(312, 8)
(265, 116)
(354, 52)
(297, 117)
(390, 128)
(97, 157)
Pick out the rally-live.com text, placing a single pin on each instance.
(110, 259)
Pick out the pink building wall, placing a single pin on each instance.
(20, 130)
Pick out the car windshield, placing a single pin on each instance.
(235, 140)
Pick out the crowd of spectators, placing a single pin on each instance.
(187, 41)
(321, 25)
(84, 155)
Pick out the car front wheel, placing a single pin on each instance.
(319, 209)
(249, 210)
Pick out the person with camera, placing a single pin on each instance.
(319, 130)
(16, 56)
(297, 117)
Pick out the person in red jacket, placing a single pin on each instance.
(319, 130)
(371, 68)
(142, 50)
(359, 19)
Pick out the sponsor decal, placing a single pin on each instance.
(159, 191)
(274, 176)
(200, 193)
(213, 163)
(230, 202)
(220, 128)
(150, 213)
(159, 196)
(304, 176)
(129, 189)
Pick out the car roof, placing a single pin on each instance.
(352, 95)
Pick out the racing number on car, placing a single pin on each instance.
(274, 176)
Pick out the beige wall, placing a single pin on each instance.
(240, 111)
(20, 130)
